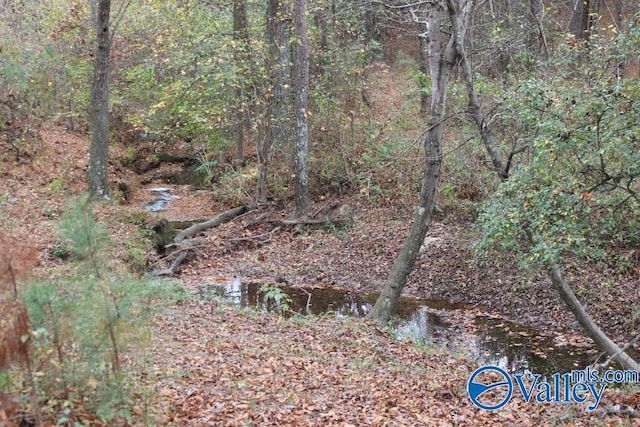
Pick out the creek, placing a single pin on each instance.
(458, 327)
(162, 197)
(461, 328)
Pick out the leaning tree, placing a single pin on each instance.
(453, 16)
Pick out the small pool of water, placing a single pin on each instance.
(487, 339)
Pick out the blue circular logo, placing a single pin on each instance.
(477, 388)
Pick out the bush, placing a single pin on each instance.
(83, 320)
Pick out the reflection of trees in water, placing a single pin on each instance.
(345, 305)
(421, 327)
(514, 348)
(520, 349)
(310, 301)
(239, 293)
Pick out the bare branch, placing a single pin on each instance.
(611, 358)
(402, 6)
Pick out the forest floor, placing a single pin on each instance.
(216, 364)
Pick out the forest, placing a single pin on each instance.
(319, 212)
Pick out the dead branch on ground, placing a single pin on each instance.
(255, 237)
(181, 239)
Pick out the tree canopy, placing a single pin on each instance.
(578, 194)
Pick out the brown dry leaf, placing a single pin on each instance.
(14, 332)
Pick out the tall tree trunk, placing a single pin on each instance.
(241, 54)
(424, 69)
(279, 35)
(276, 124)
(99, 151)
(486, 134)
(321, 20)
(302, 108)
(537, 11)
(441, 67)
(263, 147)
(579, 24)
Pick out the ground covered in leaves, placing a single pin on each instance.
(220, 365)
(216, 364)
(358, 258)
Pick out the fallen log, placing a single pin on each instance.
(180, 241)
(602, 340)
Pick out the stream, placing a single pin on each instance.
(162, 197)
(479, 336)
(461, 328)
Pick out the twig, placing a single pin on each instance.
(177, 251)
(613, 356)
(259, 219)
(322, 207)
(402, 6)
(247, 213)
(257, 236)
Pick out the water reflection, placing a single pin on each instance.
(513, 347)
(422, 326)
(524, 348)
(304, 301)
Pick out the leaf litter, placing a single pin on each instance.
(240, 367)
(219, 365)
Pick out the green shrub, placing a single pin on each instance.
(275, 299)
(84, 319)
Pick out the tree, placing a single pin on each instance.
(579, 25)
(594, 150)
(579, 196)
(301, 150)
(444, 56)
(424, 71)
(276, 117)
(538, 37)
(99, 151)
(241, 36)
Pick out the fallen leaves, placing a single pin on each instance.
(218, 365)
(242, 367)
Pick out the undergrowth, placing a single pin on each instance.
(69, 341)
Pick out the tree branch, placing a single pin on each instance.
(225, 216)
(402, 6)
(586, 321)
